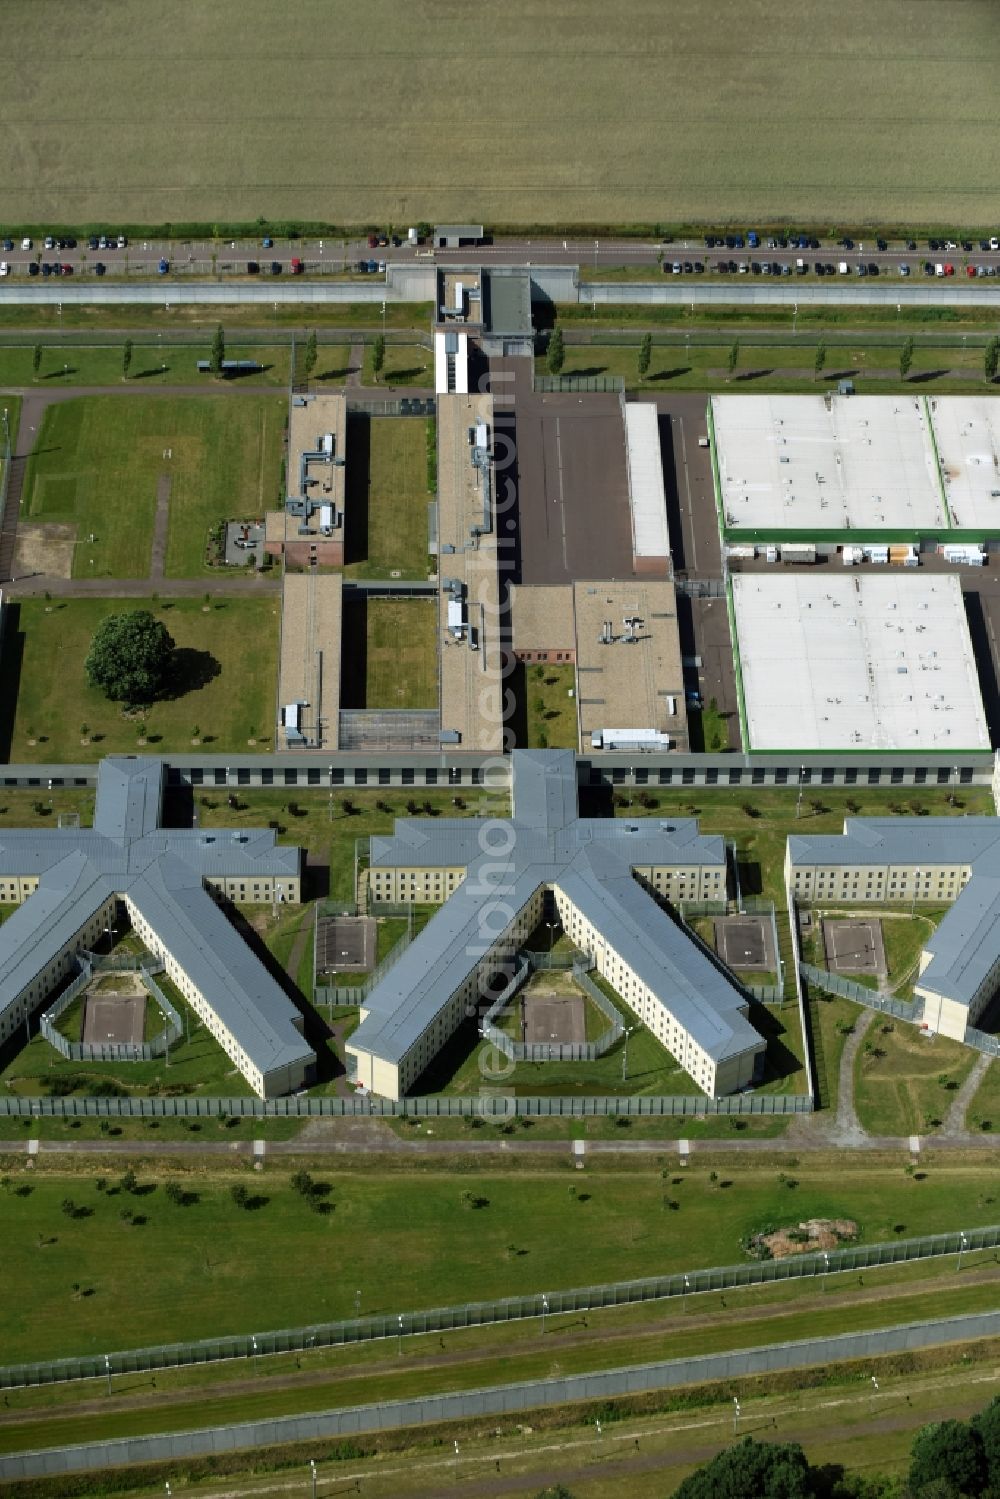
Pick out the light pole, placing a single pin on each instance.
(736, 1415)
(687, 1289)
(107, 1370)
(456, 1462)
(545, 1308)
(802, 778)
(552, 933)
(628, 1031)
(256, 1365)
(874, 1390)
(399, 1341)
(312, 1470)
(963, 1245)
(357, 1303)
(826, 1270)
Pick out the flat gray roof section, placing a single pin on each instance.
(591, 859)
(650, 538)
(967, 432)
(127, 855)
(966, 945)
(817, 464)
(834, 661)
(508, 302)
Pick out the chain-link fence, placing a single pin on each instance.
(500, 1105)
(537, 1305)
(833, 983)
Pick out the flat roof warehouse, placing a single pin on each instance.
(856, 662)
(821, 464)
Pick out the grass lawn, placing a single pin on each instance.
(153, 363)
(387, 498)
(207, 1268)
(467, 1064)
(984, 1110)
(831, 1021)
(551, 707)
(228, 657)
(873, 367)
(390, 653)
(197, 1065)
(99, 461)
(327, 830)
(899, 1078)
(405, 364)
(708, 729)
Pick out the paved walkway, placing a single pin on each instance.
(954, 1123)
(847, 1130)
(158, 555)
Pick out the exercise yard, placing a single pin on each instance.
(103, 464)
(226, 671)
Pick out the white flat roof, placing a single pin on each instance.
(645, 471)
(967, 429)
(826, 463)
(872, 661)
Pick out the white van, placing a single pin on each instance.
(843, 268)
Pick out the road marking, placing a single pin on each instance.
(684, 1149)
(914, 1144)
(579, 1147)
(32, 1147)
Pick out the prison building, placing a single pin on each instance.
(70, 883)
(933, 860)
(498, 879)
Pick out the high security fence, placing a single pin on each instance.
(552, 1051)
(504, 1400)
(491, 1313)
(487, 1105)
(356, 994)
(848, 989)
(111, 1051)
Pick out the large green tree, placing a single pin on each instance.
(987, 1427)
(949, 1451)
(555, 356)
(130, 656)
(766, 1470)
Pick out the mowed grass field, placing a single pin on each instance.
(99, 460)
(662, 111)
(390, 653)
(226, 679)
(208, 1268)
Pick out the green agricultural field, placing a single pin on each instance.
(103, 464)
(390, 653)
(852, 109)
(387, 498)
(208, 1268)
(226, 674)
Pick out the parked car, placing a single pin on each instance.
(26, 243)
(103, 243)
(163, 267)
(880, 244)
(252, 268)
(297, 267)
(8, 244)
(904, 269)
(100, 268)
(275, 267)
(49, 242)
(92, 243)
(372, 241)
(33, 268)
(65, 270)
(122, 241)
(267, 243)
(3, 268)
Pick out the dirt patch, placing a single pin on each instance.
(812, 1236)
(45, 549)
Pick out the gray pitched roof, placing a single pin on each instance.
(162, 872)
(548, 843)
(966, 945)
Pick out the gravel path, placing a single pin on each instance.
(954, 1125)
